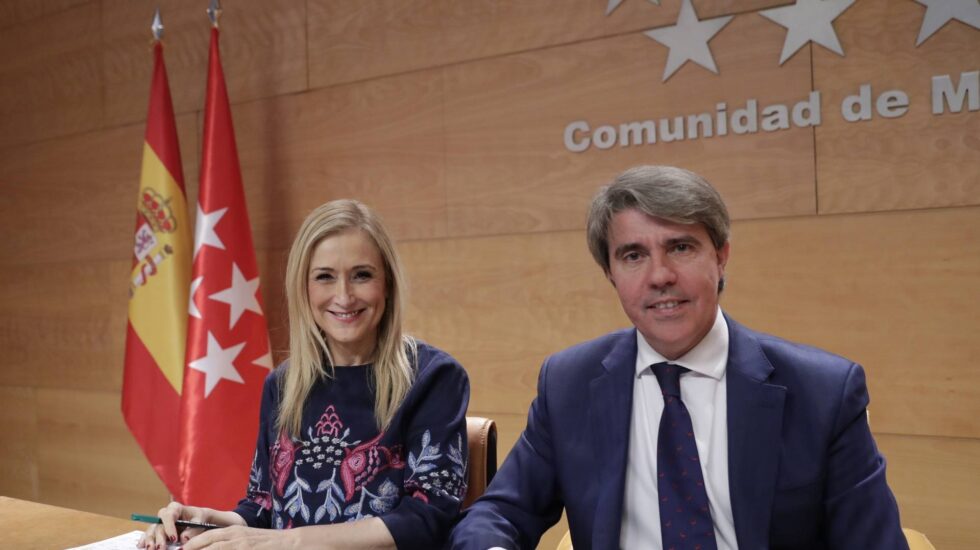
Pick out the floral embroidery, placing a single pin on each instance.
(365, 462)
(357, 486)
(330, 423)
(282, 456)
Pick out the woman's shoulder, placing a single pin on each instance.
(434, 363)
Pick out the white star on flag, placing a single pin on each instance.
(192, 305)
(264, 361)
(218, 364)
(204, 233)
(808, 21)
(613, 4)
(688, 39)
(940, 12)
(240, 296)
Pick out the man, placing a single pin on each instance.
(688, 430)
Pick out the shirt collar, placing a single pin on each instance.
(709, 357)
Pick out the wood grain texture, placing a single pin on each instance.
(892, 291)
(18, 453)
(263, 52)
(34, 526)
(370, 39)
(500, 305)
(74, 198)
(377, 141)
(14, 12)
(88, 459)
(64, 325)
(51, 76)
(918, 160)
(505, 119)
(935, 482)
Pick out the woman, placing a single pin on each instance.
(362, 431)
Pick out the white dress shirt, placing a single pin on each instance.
(703, 392)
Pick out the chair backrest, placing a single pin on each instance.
(481, 438)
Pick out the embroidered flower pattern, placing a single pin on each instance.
(362, 481)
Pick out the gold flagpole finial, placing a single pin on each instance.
(157, 26)
(214, 13)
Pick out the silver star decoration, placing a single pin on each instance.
(613, 4)
(808, 21)
(688, 39)
(157, 26)
(192, 306)
(240, 296)
(940, 12)
(204, 233)
(214, 12)
(218, 364)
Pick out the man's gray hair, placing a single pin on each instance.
(665, 192)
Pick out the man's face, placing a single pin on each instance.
(666, 275)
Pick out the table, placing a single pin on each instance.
(25, 524)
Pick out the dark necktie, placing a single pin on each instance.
(685, 519)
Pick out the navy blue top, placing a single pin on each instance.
(412, 476)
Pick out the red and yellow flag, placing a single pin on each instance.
(227, 337)
(158, 290)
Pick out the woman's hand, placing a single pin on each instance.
(240, 537)
(157, 536)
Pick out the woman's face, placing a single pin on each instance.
(347, 292)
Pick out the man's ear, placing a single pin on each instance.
(723, 254)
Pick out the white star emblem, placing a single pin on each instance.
(808, 21)
(218, 364)
(204, 233)
(688, 39)
(240, 296)
(613, 4)
(192, 305)
(264, 361)
(940, 12)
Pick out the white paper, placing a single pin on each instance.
(122, 542)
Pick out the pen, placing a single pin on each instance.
(178, 523)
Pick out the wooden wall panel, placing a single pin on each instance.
(500, 305)
(263, 51)
(892, 291)
(88, 459)
(505, 119)
(377, 141)
(51, 76)
(935, 481)
(74, 199)
(18, 454)
(918, 160)
(64, 325)
(373, 39)
(13, 12)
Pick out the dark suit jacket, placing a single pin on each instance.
(804, 471)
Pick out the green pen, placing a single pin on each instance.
(178, 523)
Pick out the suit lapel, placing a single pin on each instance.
(610, 413)
(755, 417)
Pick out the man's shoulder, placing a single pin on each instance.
(595, 350)
(789, 358)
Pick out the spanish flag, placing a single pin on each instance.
(158, 290)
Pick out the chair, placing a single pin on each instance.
(481, 438)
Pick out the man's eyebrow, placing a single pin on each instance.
(683, 239)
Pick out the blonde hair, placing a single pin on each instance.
(310, 357)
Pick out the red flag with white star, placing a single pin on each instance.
(227, 337)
